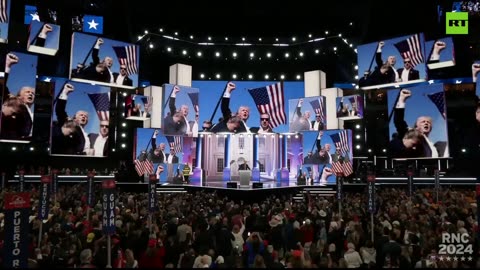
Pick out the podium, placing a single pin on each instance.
(245, 177)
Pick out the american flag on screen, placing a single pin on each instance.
(411, 48)
(127, 55)
(3, 11)
(143, 166)
(318, 107)
(342, 164)
(270, 100)
(101, 102)
(175, 143)
(439, 100)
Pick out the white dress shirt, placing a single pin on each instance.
(405, 73)
(170, 159)
(87, 140)
(315, 125)
(100, 145)
(120, 79)
(31, 117)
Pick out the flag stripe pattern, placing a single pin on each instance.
(127, 55)
(3, 11)
(101, 102)
(317, 105)
(439, 100)
(270, 100)
(142, 167)
(343, 164)
(175, 143)
(411, 48)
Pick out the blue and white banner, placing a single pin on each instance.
(152, 193)
(371, 193)
(17, 211)
(108, 207)
(44, 197)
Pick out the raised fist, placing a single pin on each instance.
(404, 94)
(381, 44)
(11, 59)
(159, 169)
(176, 89)
(156, 132)
(439, 46)
(99, 42)
(327, 172)
(475, 70)
(300, 102)
(230, 87)
(46, 28)
(68, 88)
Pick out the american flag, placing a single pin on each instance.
(3, 11)
(270, 100)
(147, 102)
(319, 108)
(342, 164)
(127, 55)
(101, 102)
(144, 166)
(411, 48)
(194, 98)
(175, 143)
(439, 100)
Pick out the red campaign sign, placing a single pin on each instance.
(91, 174)
(152, 177)
(46, 179)
(17, 200)
(371, 178)
(108, 184)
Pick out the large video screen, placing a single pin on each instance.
(350, 107)
(251, 101)
(153, 149)
(329, 153)
(137, 105)
(18, 102)
(181, 110)
(307, 113)
(81, 119)
(397, 61)
(104, 61)
(43, 38)
(418, 125)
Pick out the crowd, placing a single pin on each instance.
(207, 230)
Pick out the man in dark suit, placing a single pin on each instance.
(14, 117)
(317, 124)
(157, 154)
(308, 159)
(264, 125)
(64, 140)
(175, 122)
(423, 124)
(99, 142)
(232, 124)
(391, 73)
(305, 115)
(82, 142)
(408, 73)
(97, 70)
(244, 166)
(20, 124)
(122, 77)
(243, 112)
(172, 157)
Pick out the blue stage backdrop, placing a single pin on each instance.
(4, 20)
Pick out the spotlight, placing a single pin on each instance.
(357, 136)
(191, 37)
(161, 29)
(340, 35)
(202, 75)
(226, 38)
(356, 77)
(317, 51)
(309, 35)
(282, 77)
(124, 124)
(209, 38)
(300, 54)
(287, 55)
(176, 33)
(259, 39)
(234, 54)
(199, 54)
(356, 67)
(384, 150)
(234, 76)
(276, 39)
(31, 148)
(124, 94)
(124, 135)
(334, 49)
(217, 76)
(464, 150)
(124, 145)
(243, 39)
(296, 136)
(267, 76)
(298, 77)
(169, 49)
(269, 55)
(250, 76)
(369, 150)
(357, 126)
(294, 38)
(217, 54)
(151, 45)
(326, 32)
(357, 146)
(113, 149)
(184, 52)
(14, 148)
(146, 32)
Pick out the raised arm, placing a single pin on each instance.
(399, 113)
(60, 107)
(225, 106)
(378, 54)
(171, 101)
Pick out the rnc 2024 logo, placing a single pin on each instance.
(457, 23)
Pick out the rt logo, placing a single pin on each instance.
(457, 23)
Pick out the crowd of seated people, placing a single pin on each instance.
(204, 229)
